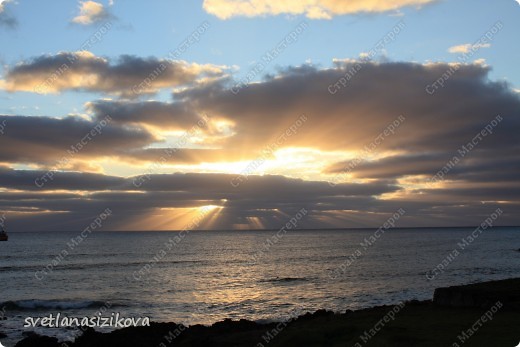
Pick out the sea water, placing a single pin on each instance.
(206, 276)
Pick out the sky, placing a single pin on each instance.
(239, 114)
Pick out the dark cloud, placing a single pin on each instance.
(194, 183)
(372, 99)
(340, 118)
(267, 197)
(46, 141)
(478, 166)
(129, 76)
(392, 167)
(176, 155)
(155, 113)
(270, 200)
(6, 19)
(351, 117)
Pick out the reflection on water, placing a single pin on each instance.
(209, 276)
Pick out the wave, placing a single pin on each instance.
(285, 279)
(34, 305)
(78, 266)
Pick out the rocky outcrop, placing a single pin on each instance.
(326, 328)
(480, 295)
(157, 334)
(38, 340)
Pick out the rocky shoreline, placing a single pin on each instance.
(482, 314)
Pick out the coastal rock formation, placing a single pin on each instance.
(158, 334)
(441, 323)
(38, 340)
(480, 295)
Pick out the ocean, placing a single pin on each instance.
(206, 276)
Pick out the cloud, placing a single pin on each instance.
(343, 118)
(269, 198)
(314, 9)
(5, 18)
(436, 126)
(23, 142)
(350, 117)
(467, 47)
(347, 118)
(195, 126)
(45, 141)
(72, 200)
(129, 76)
(179, 155)
(91, 12)
(480, 168)
(193, 185)
(2, 4)
(165, 115)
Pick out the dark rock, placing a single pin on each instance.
(480, 295)
(152, 335)
(230, 325)
(2, 335)
(338, 329)
(323, 313)
(38, 341)
(305, 317)
(418, 302)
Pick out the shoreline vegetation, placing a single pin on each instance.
(481, 314)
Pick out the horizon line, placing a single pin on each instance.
(275, 229)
